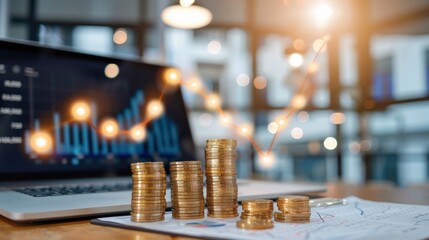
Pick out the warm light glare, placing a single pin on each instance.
(186, 3)
(267, 160)
(138, 133)
(246, 129)
(120, 36)
(213, 102)
(111, 70)
(297, 133)
(260, 82)
(337, 118)
(214, 47)
(330, 143)
(109, 128)
(299, 44)
(194, 84)
(322, 13)
(80, 111)
(319, 45)
(296, 60)
(298, 101)
(41, 142)
(281, 121)
(155, 108)
(186, 17)
(226, 119)
(313, 68)
(243, 80)
(172, 76)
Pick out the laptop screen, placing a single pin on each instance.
(39, 87)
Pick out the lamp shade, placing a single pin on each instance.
(186, 17)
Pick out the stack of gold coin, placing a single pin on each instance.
(148, 196)
(293, 209)
(257, 214)
(221, 178)
(186, 181)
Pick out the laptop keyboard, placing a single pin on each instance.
(48, 191)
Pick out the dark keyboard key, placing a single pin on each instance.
(47, 191)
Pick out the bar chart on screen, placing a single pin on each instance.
(81, 139)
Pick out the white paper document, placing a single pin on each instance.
(357, 219)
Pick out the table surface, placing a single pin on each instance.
(83, 229)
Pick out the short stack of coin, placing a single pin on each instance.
(149, 188)
(187, 197)
(221, 178)
(293, 209)
(257, 214)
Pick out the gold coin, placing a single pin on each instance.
(185, 162)
(257, 202)
(292, 198)
(220, 215)
(255, 224)
(264, 216)
(257, 217)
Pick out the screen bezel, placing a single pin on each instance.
(96, 173)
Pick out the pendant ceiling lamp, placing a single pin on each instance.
(186, 15)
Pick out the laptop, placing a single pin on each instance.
(83, 173)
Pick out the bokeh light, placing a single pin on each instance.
(319, 45)
(194, 84)
(296, 60)
(138, 133)
(155, 108)
(273, 127)
(186, 3)
(303, 116)
(214, 47)
(260, 82)
(109, 128)
(246, 129)
(299, 44)
(313, 68)
(243, 80)
(281, 121)
(172, 76)
(80, 111)
(267, 160)
(111, 70)
(337, 118)
(322, 14)
(41, 142)
(120, 36)
(314, 147)
(225, 118)
(298, 102)
(330, 143)
(297, 133)
(213, 102)
(354, 147)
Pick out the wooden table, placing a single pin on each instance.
(83, 229)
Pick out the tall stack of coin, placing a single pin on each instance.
(293, 209)
(186, 181)
(221, 178)
(148, 196)
(257, 214)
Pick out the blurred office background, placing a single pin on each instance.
(368, 119)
